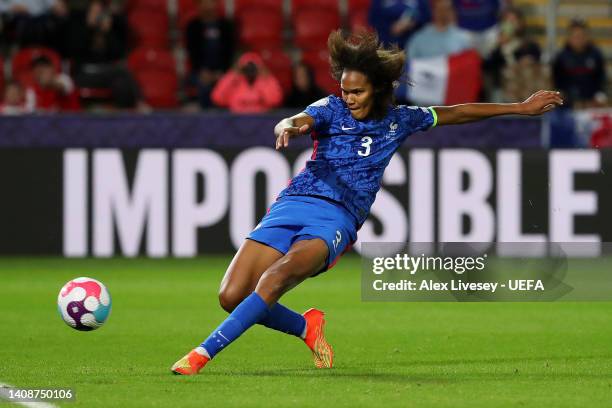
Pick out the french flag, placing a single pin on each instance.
(444, 80)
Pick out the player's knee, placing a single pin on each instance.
(229, 298)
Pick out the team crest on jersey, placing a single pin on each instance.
(393, 126)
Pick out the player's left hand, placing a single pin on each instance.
(541, 102)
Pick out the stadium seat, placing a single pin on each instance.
(280, 65)
(155, 71)
(95, 94)
(269, 6)
(358, 6)
(159, 88)
(327, 6)
(358, 21)
(151, 5)
(187, 10)
(319, 61)
(312, 28)
(22, 61)
(148, 58)
(358, 15)
(149, 27)
(260, 29)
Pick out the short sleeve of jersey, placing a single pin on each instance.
(322, 111)
(417, 119)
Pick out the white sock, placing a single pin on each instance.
(303, 335)
(202, 351)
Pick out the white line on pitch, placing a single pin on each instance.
(4, 394)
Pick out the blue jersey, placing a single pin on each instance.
(350, 156)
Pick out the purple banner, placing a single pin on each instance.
(224, 130)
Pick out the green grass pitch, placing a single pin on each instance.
(387, 354)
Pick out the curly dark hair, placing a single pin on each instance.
(363, 52)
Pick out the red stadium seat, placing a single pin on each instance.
(269, 6)
(266, 4)
(155, 71)
(326, 82)
(21, 61)
(159, 88)
(260, 29)
(95, 93)
(188, 10)
(358, 21)
(144, 59)
(358, 15)
(312, 28)
(139, 5)
(280, 65)
(149, 27)
(327, 6)
(358, 5)
(319, 61)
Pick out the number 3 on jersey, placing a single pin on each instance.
(366, 142)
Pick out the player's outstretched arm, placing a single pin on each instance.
(287, 128)
(537, 104)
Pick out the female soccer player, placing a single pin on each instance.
(317, 216)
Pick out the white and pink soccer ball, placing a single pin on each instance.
(84, 304)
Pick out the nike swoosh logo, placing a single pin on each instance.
(347, 128)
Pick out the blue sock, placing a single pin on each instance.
(285, 320)
(250, 311)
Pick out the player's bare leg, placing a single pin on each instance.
(251, 262)
(241, 277)
(245, 270)
(304, 259)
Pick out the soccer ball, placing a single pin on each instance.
(84, 304)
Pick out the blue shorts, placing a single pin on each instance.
(296, 218)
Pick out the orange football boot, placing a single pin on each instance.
(322, 352)
(191, 364)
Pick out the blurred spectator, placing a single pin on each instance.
(14, 100)
(52, 91)
(95, 39)
(248, 88)
(525, 77)
(210, 45)
(32, 22)
(514, 57)
(441, 37)
(579, 69)
(479, 18)
(304, 90)
(396, 20)
(96, 32)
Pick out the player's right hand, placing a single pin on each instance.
(541, 102)
(282, 140)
